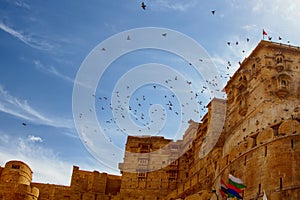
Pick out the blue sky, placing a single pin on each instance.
(44, 43)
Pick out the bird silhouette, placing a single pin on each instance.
(164, 34)
(213, 12)
(143, 6)
(24, 124)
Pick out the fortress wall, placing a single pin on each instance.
(272, 167)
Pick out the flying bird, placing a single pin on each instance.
(279, 38)
(24, 124)
(164, 34)
(143, 6)
(213, 12)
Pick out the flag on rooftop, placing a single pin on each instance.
(233, 194)
(235, 187)
(223, 189)
(264, 32)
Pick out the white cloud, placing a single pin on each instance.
(250, 27)
(20, 108)
(176, 5)
(52, 70)
(31, 41)
(33, 138)
(258, 6)
(46, 165)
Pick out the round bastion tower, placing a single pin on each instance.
(18, 176)
(16, 172)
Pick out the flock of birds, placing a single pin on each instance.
(138, 106)
(143, 6)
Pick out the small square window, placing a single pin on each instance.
(15, 166)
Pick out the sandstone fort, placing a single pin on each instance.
(259, 142)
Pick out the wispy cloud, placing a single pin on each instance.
(21, 4)
(176, 5)
(32, 41)
(20, 108)
(46, 164)
(52, 70)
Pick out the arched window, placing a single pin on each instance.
(279, 59)
(243, 105)
(283, 85)
(283, 81)
(279, 62)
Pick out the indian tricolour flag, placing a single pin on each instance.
(235, 187)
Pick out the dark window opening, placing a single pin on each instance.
(227, 159)
(254, 141)
(266, 150)
(283, 83)
(142, 175)
(275, 129)
(279, 60)
(292, 143)
(15, 166)
(280, 183)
